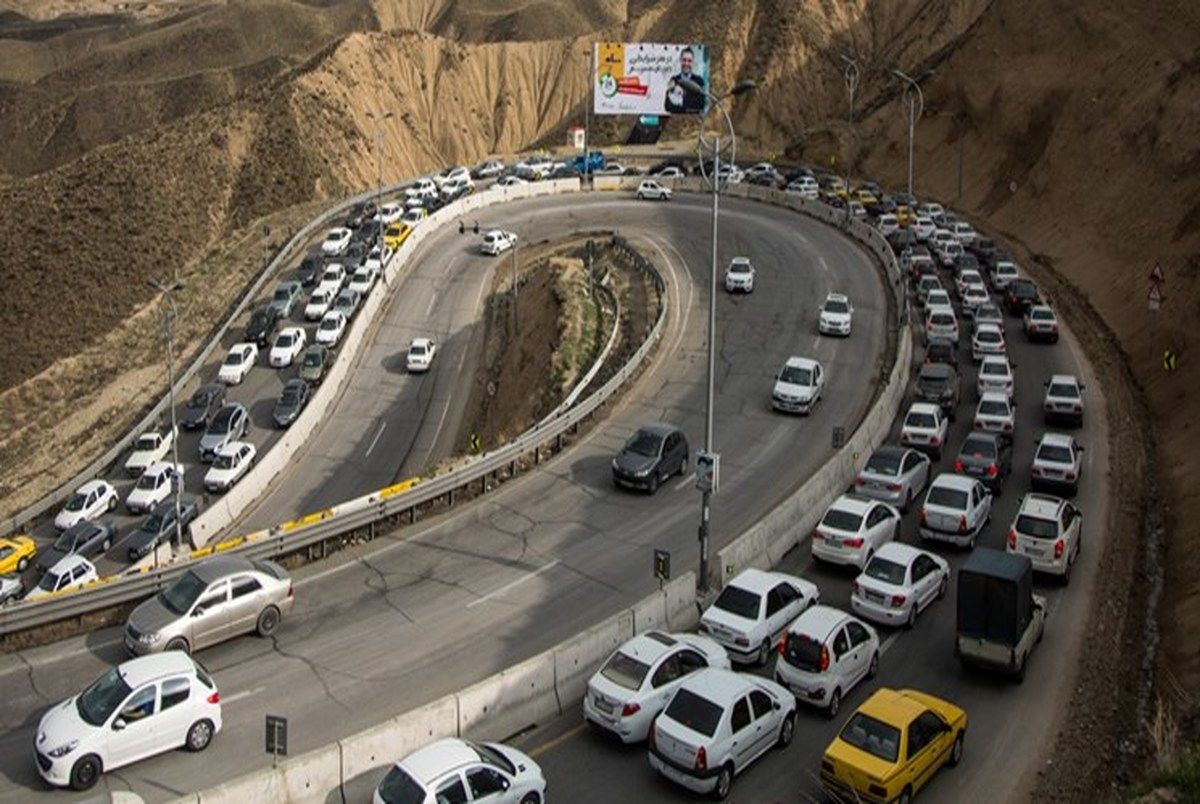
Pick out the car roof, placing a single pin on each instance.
(936, 370)
(988, 326)
(211, 569)
(818, 622)
(649, 646)
(954, 481)
(801, 362)
(924, 407)
(68, 562)
(722, 687)
(420, 342)
(1056, 440)
(92, 485)
(1045, 506)
(231, 447)
(143, 669)
(756, 580)
(994, 359)
(993, 396)
(658, 428)
(899, 552)
(853, 503)
(891, 707)
(981, 435)
(836, 297)
(891, 450)
(428, 763)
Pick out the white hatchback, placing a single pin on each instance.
(145, 706)
(68, 573)
(941, 324)
(445, 770)
(852, 529)
(653, 190)
(638, 679)
(1057, 463)
(331, 328)
(336, 241)
(753, 609)
(739, 276)
(798, 385)
(89, 501)
(824, 654)
(898, 583)
(420, 355)
(153, 486)
(287, 347)
(925, 427)
(1048, 530)
(318, 304)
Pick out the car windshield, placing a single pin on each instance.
(645, 444)
(49, 582)
(149, 481)
(1054, 453)
(224, 461)
(416, 351)
(625, 671)
(77, 502)
(1042, 315)
(291, 396)
(839, 519)
(833, 306)
(97, 703)
(947, 498)
(146, 442)
(1036, 527)
(153, 524)
(698, 714)
(200, 400)
(796, 375)
(181, 595)
(284, 341)
(329, 324)
(884, 463)
(312, 360)
(979, 447)
(233, 359)
(221, 424)
(918, 419)
(281, 294)
(400, 788)
(993, 407)
(741, 602)
(873, 736)
(887, 571)
(1063, 389)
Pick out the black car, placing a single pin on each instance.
(263, 321)
(83, 538)
(653, 454)
(942, 351)
(159, 527)
(938, 384)
(965, 262)
(310, 268)
(203, 405)
(983, 248)
(1020, 295)
(986, 456)
(291, 401)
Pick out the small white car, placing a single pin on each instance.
(1063, 400)
(887, 224)
(739, 276)
(1050, 531)
(963, 232)
(899, 583)
(89, 501)
(445, 770)
(237, 363)
(151, 446)
(1003, 275)
(154, 486)
(378, 257)
(753, 609)
(949, 253)
(925, 285)
(988, 340)
(336, 241)
(955, 510)
(936, 298)
(824, 654)
(287, 347)
(363, 279)
(1057, 463)
(923, 227)
(931, 209)
(455, 186)
(452, 174)
(836, 315)
(69, 573)
(995, 374)
(670, 172)
(231, 462)
(852, 529)
(716, 725)
(421, 188)
(974, 297)
(141, 707)
(965, 279)
(420, 355)
(331, 328)
(318, 304)
(894, 475)
(413, 218)
(511, 181)
(798, 385)
(650, 189)
(996, 413)
(1041, 324)
(941, 324)
(925, 428)
(804, 187)
(497, 242)
(940, 239)
(332, 279)
(637, 681)
(390, 212)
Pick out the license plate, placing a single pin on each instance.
(875, 597)
(603, 705)
(1034, 551)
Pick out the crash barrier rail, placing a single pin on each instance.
(552, 682)
(544, 686)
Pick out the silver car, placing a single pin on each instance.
(894, 475)
(218, 599)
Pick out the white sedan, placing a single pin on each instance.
(511, 181)
(237, 363)
(332, 326)
(287, 347)
(318, 304)
(739, 276)
(363, 279)
(434, 775)
(752, 611)
(68, 573)
(988, 340)
(898, 583)
(89, 501)
(231, 462)
(150, 447)
(798, 385)
(336, 241)
(1063, 399)
(955, 510)
(925, 427)
(154, 486)
(1057, 463)
(995, 413)
(650, 189)
(995, 374)
(332, 278)
(420, 355)
(852, 529)
(836, 315)
(497, 242)
(894, 475)
(639, 678)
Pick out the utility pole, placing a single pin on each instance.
(169, 315)
(914, 101)
(850, 74)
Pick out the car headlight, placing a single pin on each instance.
(643, 472)
(64, 749)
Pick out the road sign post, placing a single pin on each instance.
(276, 738)
(662, 566)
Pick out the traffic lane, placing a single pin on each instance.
(335, 660)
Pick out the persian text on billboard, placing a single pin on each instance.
(645, 78)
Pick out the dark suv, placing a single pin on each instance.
(938, 384)
(653, 454)
(1020, 295)
(261, 328)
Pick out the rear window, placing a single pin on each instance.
(803, 652)
(884, 463)
(873, 736)
(995, 369)
(400, 788)
(837, 519)
(698, 714)
(1054, 454)
(920, 420)
(1062, 389)
(887, 571)
(625, 671)
(739, 601)
(993, 407)
(947, 498)
(979, 448)
(1036, 527)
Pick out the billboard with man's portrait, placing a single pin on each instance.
(648, 79)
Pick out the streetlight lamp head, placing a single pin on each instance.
(744, 86)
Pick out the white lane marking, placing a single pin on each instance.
(483, 285)
(237, 696)
(432, 301)
(514, 584)
(683, 483)
(375, 440)
(887, 643)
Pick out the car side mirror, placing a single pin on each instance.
(196, 612)
(1082, 386)
(778, 706)
(119, 724)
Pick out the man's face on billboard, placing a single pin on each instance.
(685, 63)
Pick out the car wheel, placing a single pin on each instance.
(835, 703)
(199, 735)
(107, 544)
(874, 667)
(957, 751)
(22, 563)
(683, 465)
(1065, 580)
(787, 730)
(905, 797)
(653, 487)
(178, 643)
(724, 782)
(907, 502)
(532, 798)
(268, 621)
(85, 772)
(112, 503)
(764, 653)
(912, 616)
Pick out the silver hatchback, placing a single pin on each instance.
(218, 599)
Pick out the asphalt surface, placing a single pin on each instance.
(410, 618)
(1011, 726)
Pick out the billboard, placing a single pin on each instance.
(643, 78)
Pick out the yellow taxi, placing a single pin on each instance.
(15, 553)
(905, 215)
(865, 197)
(395, 235)
(891, 747)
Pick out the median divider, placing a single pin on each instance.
(308, 777)
(576, 659)
(366, 756)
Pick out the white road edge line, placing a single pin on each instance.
(514, 584)
(375, 440)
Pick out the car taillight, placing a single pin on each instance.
(858, 481)
(854, 588)
(893, 486)
(1078, 408)
(898, 601)
(824, 658)
(1008, 427)
(827, 766)
(1058, 548)
(978, 424)
(993, 470)
(741, 640)
(630, 709)
(935, 440)
(215, 698)
(818, 536)
(962, 524)
(855, 542)
(1012, 539)
(1070, 475)
(1036, 471)
(783, 644)
(878, 791)
(701, 759)
(958, 465)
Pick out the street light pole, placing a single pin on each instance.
(169, 317)
(715, 147)
(915, 104)
(851, 75)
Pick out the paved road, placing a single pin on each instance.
(484, 586)
(1011, 727)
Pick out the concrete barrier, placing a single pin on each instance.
(306, 778)
(509, 701)
(366, 756)
(650, 613)
(680, 597)
(579, 657)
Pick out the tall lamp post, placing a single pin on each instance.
(169, 316)
(709, 143)
(378, 121)
(914, 104)
(850, 74)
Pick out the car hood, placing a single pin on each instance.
(836, 318)
(193, 415)
(934, 388)
(151, 616)
(60, 725)
(632, 463)
(212, 441)
(286, 413)
(791, 389)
